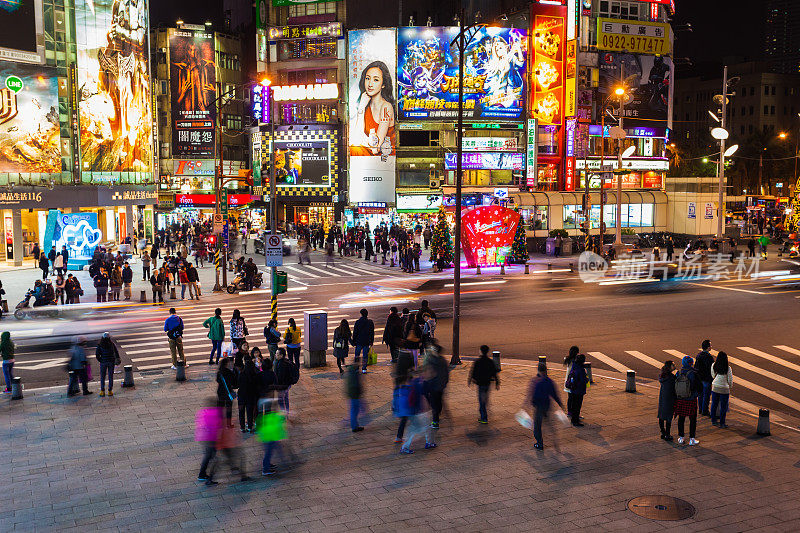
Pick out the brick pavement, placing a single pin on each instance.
(129, 463)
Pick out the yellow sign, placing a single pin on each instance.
(633, 36)
(570, 99)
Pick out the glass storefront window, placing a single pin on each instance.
(547, 177)
(647, 215)
(535, 217)
(571, 216)
(634, 216)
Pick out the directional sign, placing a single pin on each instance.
(223, 201)
(274, 251)
(225, 234)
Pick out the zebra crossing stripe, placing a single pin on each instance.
(774, 359)
(766, 373)
(294, 269)
(603, 358)
(647, 359)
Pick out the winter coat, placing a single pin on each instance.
(249, 385)
(703, 366)
(666, 397)
(216, 329)
(77, 359)
(393, 331)
(345, 339)
(106, 352)
(364, 332)
(127, 275)
(722, 382)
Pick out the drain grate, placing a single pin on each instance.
(660, 507)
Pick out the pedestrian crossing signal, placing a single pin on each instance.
(281, 282)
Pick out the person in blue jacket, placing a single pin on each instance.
(540, 392)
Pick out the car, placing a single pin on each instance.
(259, 244)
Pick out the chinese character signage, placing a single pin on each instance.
(649, 87)
(193, 80)
(485, 161)
(488, 234)
(29, 125)
(633, 36)
(530, 171)
(260, 102)
(371, 62)
(116, 126)
(280, 3)
(549, 47)
(495, 65)
(489, 144)
(325, 29)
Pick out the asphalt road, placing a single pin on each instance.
(522, 316)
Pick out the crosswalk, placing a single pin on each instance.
(340, 269)
(773, 375)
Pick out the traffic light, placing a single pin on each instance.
(281, 282)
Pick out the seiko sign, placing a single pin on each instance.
(316, 91)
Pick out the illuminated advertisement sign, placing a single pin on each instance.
(77, 231)
(307, 31)
(570, 137)
(372, 142)
(210, 200)
(29, 124)
(570, 85)
(202, 167)
(485, 161)
(634, 180)
(639, 131)
(193, 79)
(315, 91)
(634, 37)
(489, 144)
(260, 103)
(633, 164)
(280, 3)
(488, 234)
(302, 163)
(21, 38)
(549, 44)
(649, 82)
(114, 85)
(530, 171)
(494, 73)
(418, 202)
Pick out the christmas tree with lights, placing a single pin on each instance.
(442, 241)
(519, 249)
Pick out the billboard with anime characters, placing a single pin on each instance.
(495, 63)
(116, 124)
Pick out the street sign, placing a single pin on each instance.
(223, 202)
(274, 251)
(219, 222)
(225, 233)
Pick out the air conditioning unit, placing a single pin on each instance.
(434, 183)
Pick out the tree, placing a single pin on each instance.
(442, 241)
(519, 249)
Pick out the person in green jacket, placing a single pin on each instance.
(763, 241)
(216, 332)
(7, 351)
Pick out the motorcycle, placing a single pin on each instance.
(237, 284)
(25, 310)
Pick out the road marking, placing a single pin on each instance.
(316, 269)
(608, 361)
(296, 269)
(646, 358)
(727, 288)
(753, 387)
(773, 358)
(765, 373)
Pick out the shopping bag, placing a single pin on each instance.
(372, 358)
(562, 417)
(524, 419)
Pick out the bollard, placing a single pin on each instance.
(16, 388)
(502, 269)
(128, 381)
(549, 266)
(72, 384)
(543, 359)
(571, 268)
(630, 381)
(527, 268)
(763, 422)
(477, 270)
(172, 294)
(496, 359)
(143, 296)
(180, 371)
(588, 368)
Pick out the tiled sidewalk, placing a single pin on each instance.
(129, 463)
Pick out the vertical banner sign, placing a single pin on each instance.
(530, 169)
(154, 112)
(570, 86)
(255, 162)
(193, 82)
(9, 234)
(372, 141)
(116, 130)
(548, 45)
(572, 19)
(74, 123)
(569, 169)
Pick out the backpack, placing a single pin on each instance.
(683, 386)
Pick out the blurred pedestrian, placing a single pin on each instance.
(577, 380)
(249, 391)
(483, 372)
(413, 405)
(173, 325)
(342, 336)
(292, 337)
(271, 431)
(569, 360)
(720, 389)
(436, 381)
(216, 333)
(272, 337)
(208, 425)
(78, 364)
(688, 388)
(413, 338)
(540, 393)
(703, 368)
(108, 356)
(226, 389)
(7, 352)
(363, 339)
(354, 390)
(238, 328)
(666, 399)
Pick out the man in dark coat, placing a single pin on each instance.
(363, 338)
(393, 333)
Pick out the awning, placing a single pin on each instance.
(531, 199)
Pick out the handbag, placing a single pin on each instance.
(372, 357)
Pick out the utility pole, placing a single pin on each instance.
(618, 228)
(602, 176)
(721, 163)
(273, 209)
(760, 169)
(456, 358)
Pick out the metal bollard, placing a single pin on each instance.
(763, 422)
(543, 359)
(502, 269)
(128, 381)
(172, 294)
(496, 359)
(143, 297)
(630, 381)
(527, 268)
(571, 268)
(180, 371)
(588, 368)
(549, 266)
(72, 384)
(16, 388)
(477, 270)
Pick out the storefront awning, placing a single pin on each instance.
(531, 199)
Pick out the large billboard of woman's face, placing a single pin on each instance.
(495, 62)
(372, 61)
(114, 85)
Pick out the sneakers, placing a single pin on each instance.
(359, 428)
(429, 446)
(482, 421)
(203, 477)
(538, 446)
(173, 367)
(111, 393)
(102, 393)
(435, 425)
(693, 442)
(363, 371)
(409, 451)
(396, 440)
(680, 440)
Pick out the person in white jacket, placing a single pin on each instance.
(722, 380)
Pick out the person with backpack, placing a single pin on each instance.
(409, 401)
(354, 390)
(216, 333)
(483, 372)
(272, 336)
(238, 328)
(342, 337)
(435, 385)
(576, 382)
(666, 399)
(702, 366)
(108, 356)
(540, 393)
(292, 337)
(363, 338)
(173, 326)
(286, 375)
(687, 389)
(720, 388)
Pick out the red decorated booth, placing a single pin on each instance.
(487, 234)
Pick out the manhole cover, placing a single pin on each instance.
(659, 507)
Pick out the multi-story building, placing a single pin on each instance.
(782, 36)
(76, 156)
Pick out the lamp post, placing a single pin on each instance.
(620, 92)
(273, 209)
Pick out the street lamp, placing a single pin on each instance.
(721, 134)
(273, 208)
(619, 92)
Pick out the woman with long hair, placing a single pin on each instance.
(373, 125)
(666, 399)
(238, 328)
(7, 351)
(722, 381)
(292, 337)
(569, 360)
(342, 337)
(226, 385)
